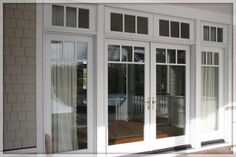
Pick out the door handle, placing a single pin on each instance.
(153, 103)
(148, 103)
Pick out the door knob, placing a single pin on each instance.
(148, 103)
(153, 103)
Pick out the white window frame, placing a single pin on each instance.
(217, 25)
(47, 18)
(175, 19)
(109, 10)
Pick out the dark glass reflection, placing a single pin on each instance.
(116, 22)
(174, 29)
(142, 25)
(139, 54)
(220, 34)
(185, 30)
(161, 56)
(83, 18)
(129, 23)
(125, 103)
(57, 15)
(206, 33)
(170, 111)
(164, 28)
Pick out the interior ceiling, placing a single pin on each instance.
(225, 8)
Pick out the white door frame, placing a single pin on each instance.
(134, 146)
(47, 86)
(176, 140)
(218, 134)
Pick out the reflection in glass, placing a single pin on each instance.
(116, 22)
(209, 58)
(210, 99)
(163, 28)
(204, 58)
(139, 54)
(142, 25)
(174, 29)
(70, 17)
(185, 30)
(129, 23)
(125, 103)
(83, 18)
(82, 51)
(216, 58)
(113, 53)
(181, 56)
(206, 33)
(171, 56)
(127, 53)
(69, 50)
(57, 15)
(170, 98)
(161, 56)
(220, 34)
(56, 50)
(213, 33)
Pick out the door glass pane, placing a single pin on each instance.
(185, 30)
(163, 28)
(57, 15)
(174, 29)
(181, 56)
(204, 58)
(216, 58)
(139, 54)
(70, 17)
(82, 48)
(127, 53)
(220, 34)
(210, 99)
(161, 56)
(125, 103)
(129, 23)
(209, 58)
(83, 18)
(170, 101)
(69, 106)
(142, 25)
(213, 33)
(113, 53)
(171, 56)
(69, 50)
(116, 22)
(56, 50)
(206, 33)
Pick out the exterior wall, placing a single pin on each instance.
(19, 64)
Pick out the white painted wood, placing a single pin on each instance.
(39, 78)
(21, 151)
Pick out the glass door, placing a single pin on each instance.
(68, 94)
(128, 102)
(212, 91)
(169, 96)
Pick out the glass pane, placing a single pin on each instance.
(127, 53)
(56, 50)
(216, 58)
(213, 33)
(220, 34)
(185, 30)
(70, 17)
(69, 106)
(125, 103)
(83, 18)
(210, 99)
(161, 56)
(209, 58)
(142, 23)
(174, 29)
(139, 54)
(82, 50)
(206, 33)
(116, 22)
(170, 98)
(181, 56)
(69, 51)
(57, 15)
(163, 28)
(204, 58)
(129, 23)
(171, 56)
(113, 53)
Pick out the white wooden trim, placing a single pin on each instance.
(39, 78)
(21, 151)
(1, 78)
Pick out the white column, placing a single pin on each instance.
(99, 83)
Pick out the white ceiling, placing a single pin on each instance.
(225, 8)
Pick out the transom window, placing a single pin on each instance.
(74, 17)
(122, 53)
(212, 34)
(174, 29)
(210, 58)
(170, 56)
(128, 23)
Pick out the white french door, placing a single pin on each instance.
(68, 93)
(212, 94)
(169, 88)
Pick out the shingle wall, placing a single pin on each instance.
(19, 50)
